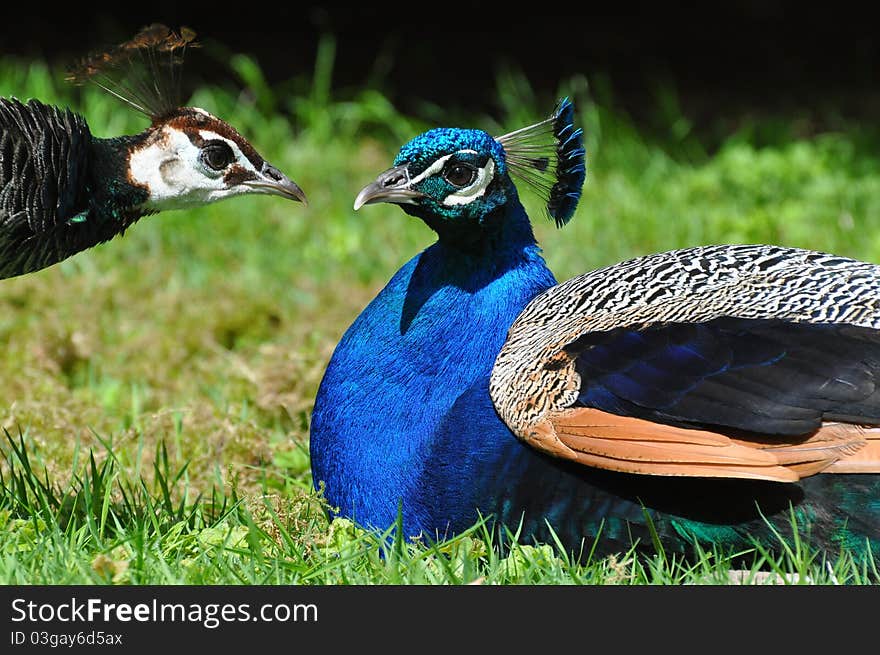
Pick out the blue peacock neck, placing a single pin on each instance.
(429, 334)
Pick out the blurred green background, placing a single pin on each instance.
(200, 337)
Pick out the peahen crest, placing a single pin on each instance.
(550, 158)
(142, 72)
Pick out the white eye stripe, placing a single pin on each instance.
(236, 151)
(477, 188)
(438, 165)
(433, 169)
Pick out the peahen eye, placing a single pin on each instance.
(217, 155)
(460, 175)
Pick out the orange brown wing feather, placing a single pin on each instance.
(621, 443)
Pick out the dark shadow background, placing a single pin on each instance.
(742, 56)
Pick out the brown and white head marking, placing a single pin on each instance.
(190, 157)
(187, 157)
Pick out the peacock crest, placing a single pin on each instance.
(550, 158)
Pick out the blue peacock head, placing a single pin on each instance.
(457, 176)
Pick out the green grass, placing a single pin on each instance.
(156, 390)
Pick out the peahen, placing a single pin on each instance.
(63, 190)
(718, 395)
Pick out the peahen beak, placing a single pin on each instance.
(273, 182)
(390, 186)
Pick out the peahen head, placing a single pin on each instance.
(452, 177)
(63, 189)
(189, 157)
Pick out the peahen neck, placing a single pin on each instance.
(108, 203)
(429, 334)
(114, 199)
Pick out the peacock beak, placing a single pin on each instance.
(273, 182)
(390, 186)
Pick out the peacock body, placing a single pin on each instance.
(722, 395)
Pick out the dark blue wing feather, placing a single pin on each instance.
(771, 377)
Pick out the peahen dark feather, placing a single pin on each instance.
(60, 191)
(60, 188)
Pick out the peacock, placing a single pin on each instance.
(720, 396)
(63, 190)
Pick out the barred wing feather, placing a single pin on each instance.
(720, 361)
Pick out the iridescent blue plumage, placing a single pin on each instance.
(425, 149)
(406, 417)
(403, 363)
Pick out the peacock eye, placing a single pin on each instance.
(217, 155)
(460, 175)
